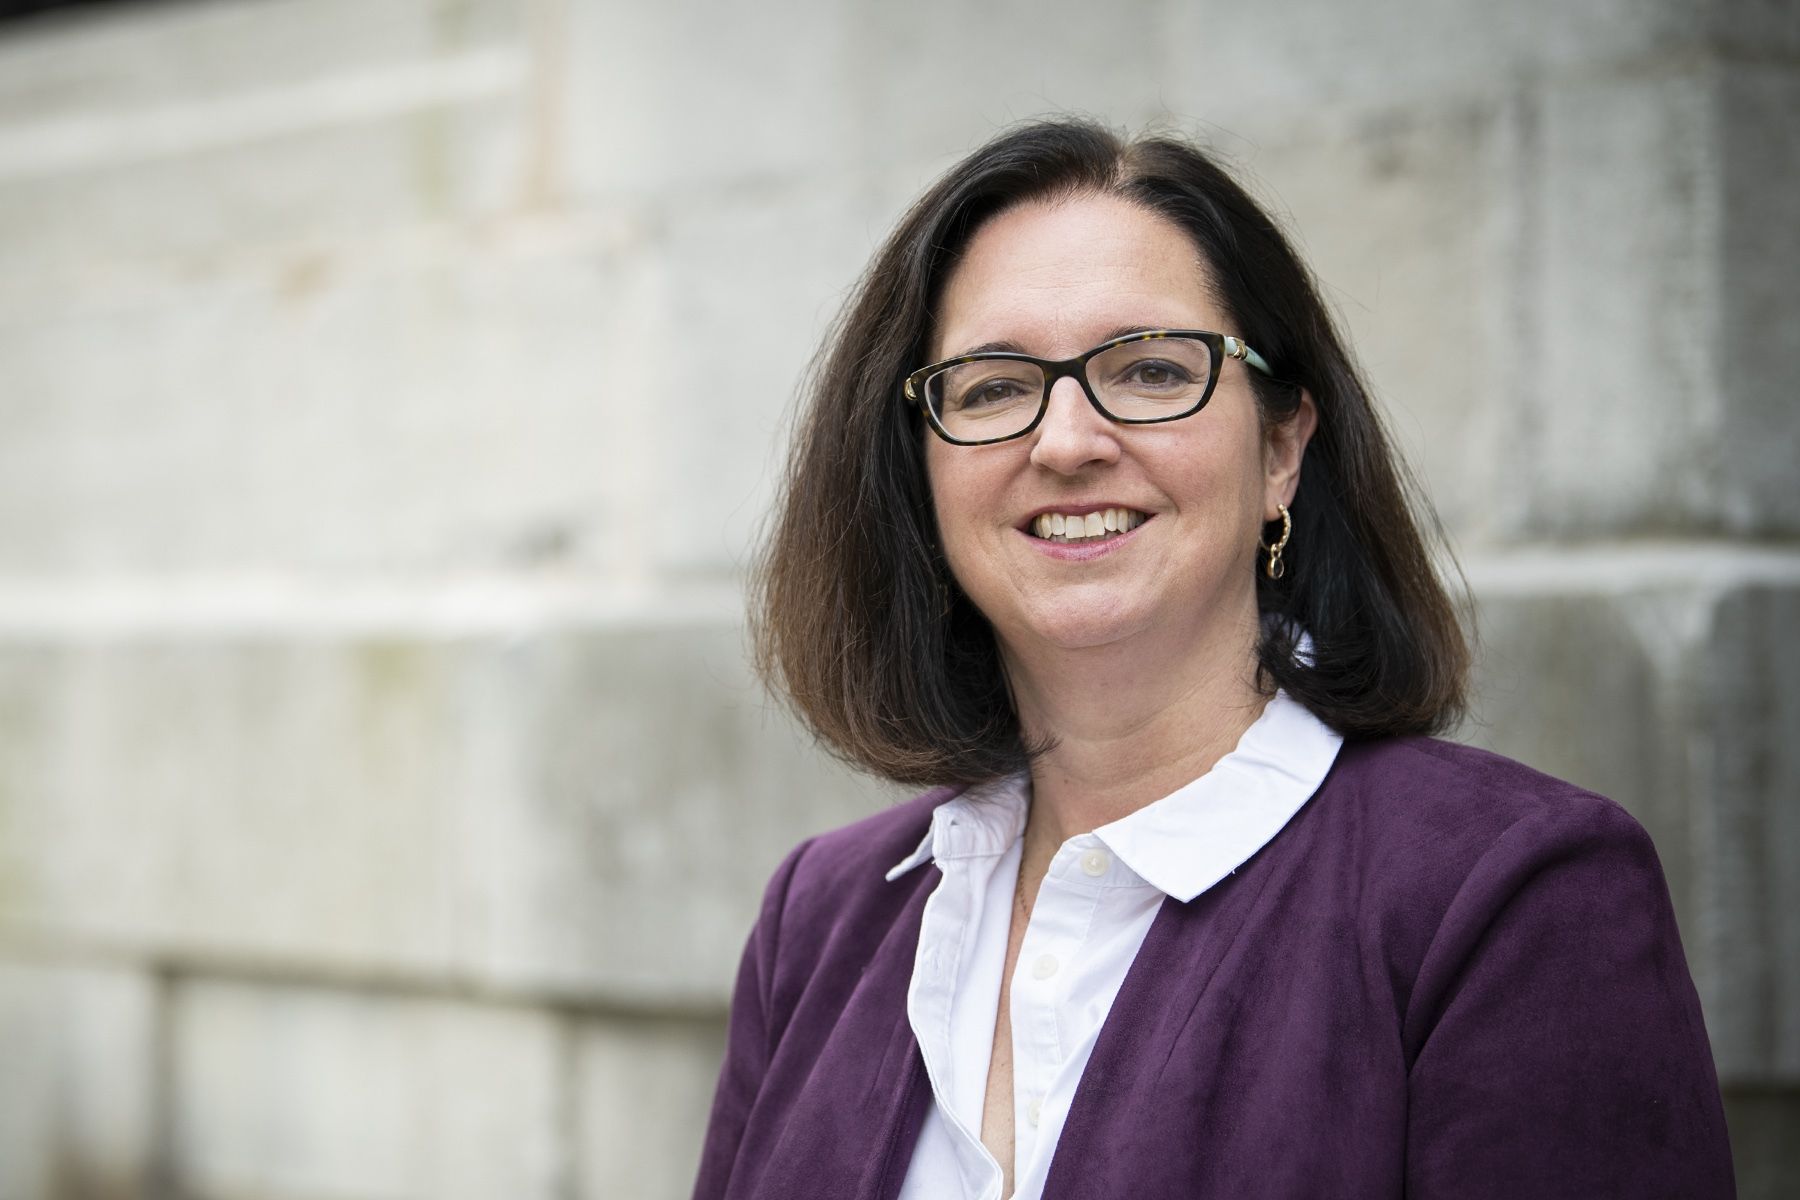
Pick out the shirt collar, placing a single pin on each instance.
(1200, 833)
(1185, 842)
(984, 820)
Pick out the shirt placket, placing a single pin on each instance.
(1049, 957)
(945, 926)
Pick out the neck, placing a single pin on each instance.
(1130, 724)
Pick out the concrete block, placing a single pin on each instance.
(1752, 29)
(1752, 831)
(1758, 321)
(146, 58)
(1573, 293)
(192, 131)
(81, 211)
(1407, 266)
(1257, 68)
(77, 1090)
(748, 287)
(1661, 678)
(652, 791)
(643, 1090)
(301, 1092)
(642, 84)
(1618, 414)
(942, 77)
(1537, 291)
(1765, 1140)
(1568, 341)
(274, 801)
(1583, 686)
(579, 810)
(609, 394)
(437, 406)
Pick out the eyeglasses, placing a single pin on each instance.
(1138, 379)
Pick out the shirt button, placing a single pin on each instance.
(1044, 967)
(1095, 862)
(1033, 1110)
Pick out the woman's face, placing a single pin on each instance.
(1054, 279)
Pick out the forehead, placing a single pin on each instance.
(1054, 277)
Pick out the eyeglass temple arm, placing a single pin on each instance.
(1235, 348)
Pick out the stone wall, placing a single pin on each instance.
(383, 797)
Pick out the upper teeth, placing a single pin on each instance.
(1075, 527)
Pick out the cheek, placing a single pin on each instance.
(1237, 460)
(964, 500)
(936, 485)
(961, 490)
(948, 506)
(956, 511)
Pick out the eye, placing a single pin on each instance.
(987, 386)
(994, 391)
(1155, 374)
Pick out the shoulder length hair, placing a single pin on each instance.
(854, 613)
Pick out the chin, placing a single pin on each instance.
(1077, 626)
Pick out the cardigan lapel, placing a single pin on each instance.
(860, 1097)
(899, 1094)
(1166, 984)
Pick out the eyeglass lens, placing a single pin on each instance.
(1148, 380)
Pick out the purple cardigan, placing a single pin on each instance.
(1449, 976)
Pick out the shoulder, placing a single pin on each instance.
(1532, 959)
(1421, 764)
(829, 910)
(1439, 842)
(836, 882)
(1459, 800)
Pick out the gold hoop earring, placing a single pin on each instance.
(1276, 568)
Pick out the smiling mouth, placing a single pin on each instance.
(1090, 527)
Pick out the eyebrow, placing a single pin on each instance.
(1009, 347)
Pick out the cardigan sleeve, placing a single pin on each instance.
(749, 1039)
(1556, 1038)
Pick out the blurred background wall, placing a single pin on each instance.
(390, 391)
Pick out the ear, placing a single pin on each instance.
(1283, 448)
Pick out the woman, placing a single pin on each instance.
(1090, 518)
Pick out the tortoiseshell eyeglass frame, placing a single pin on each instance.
(1221, 346)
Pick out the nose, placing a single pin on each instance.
(1073, 434)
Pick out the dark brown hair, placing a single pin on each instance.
(855, 615)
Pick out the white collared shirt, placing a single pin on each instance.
(1097, 902)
